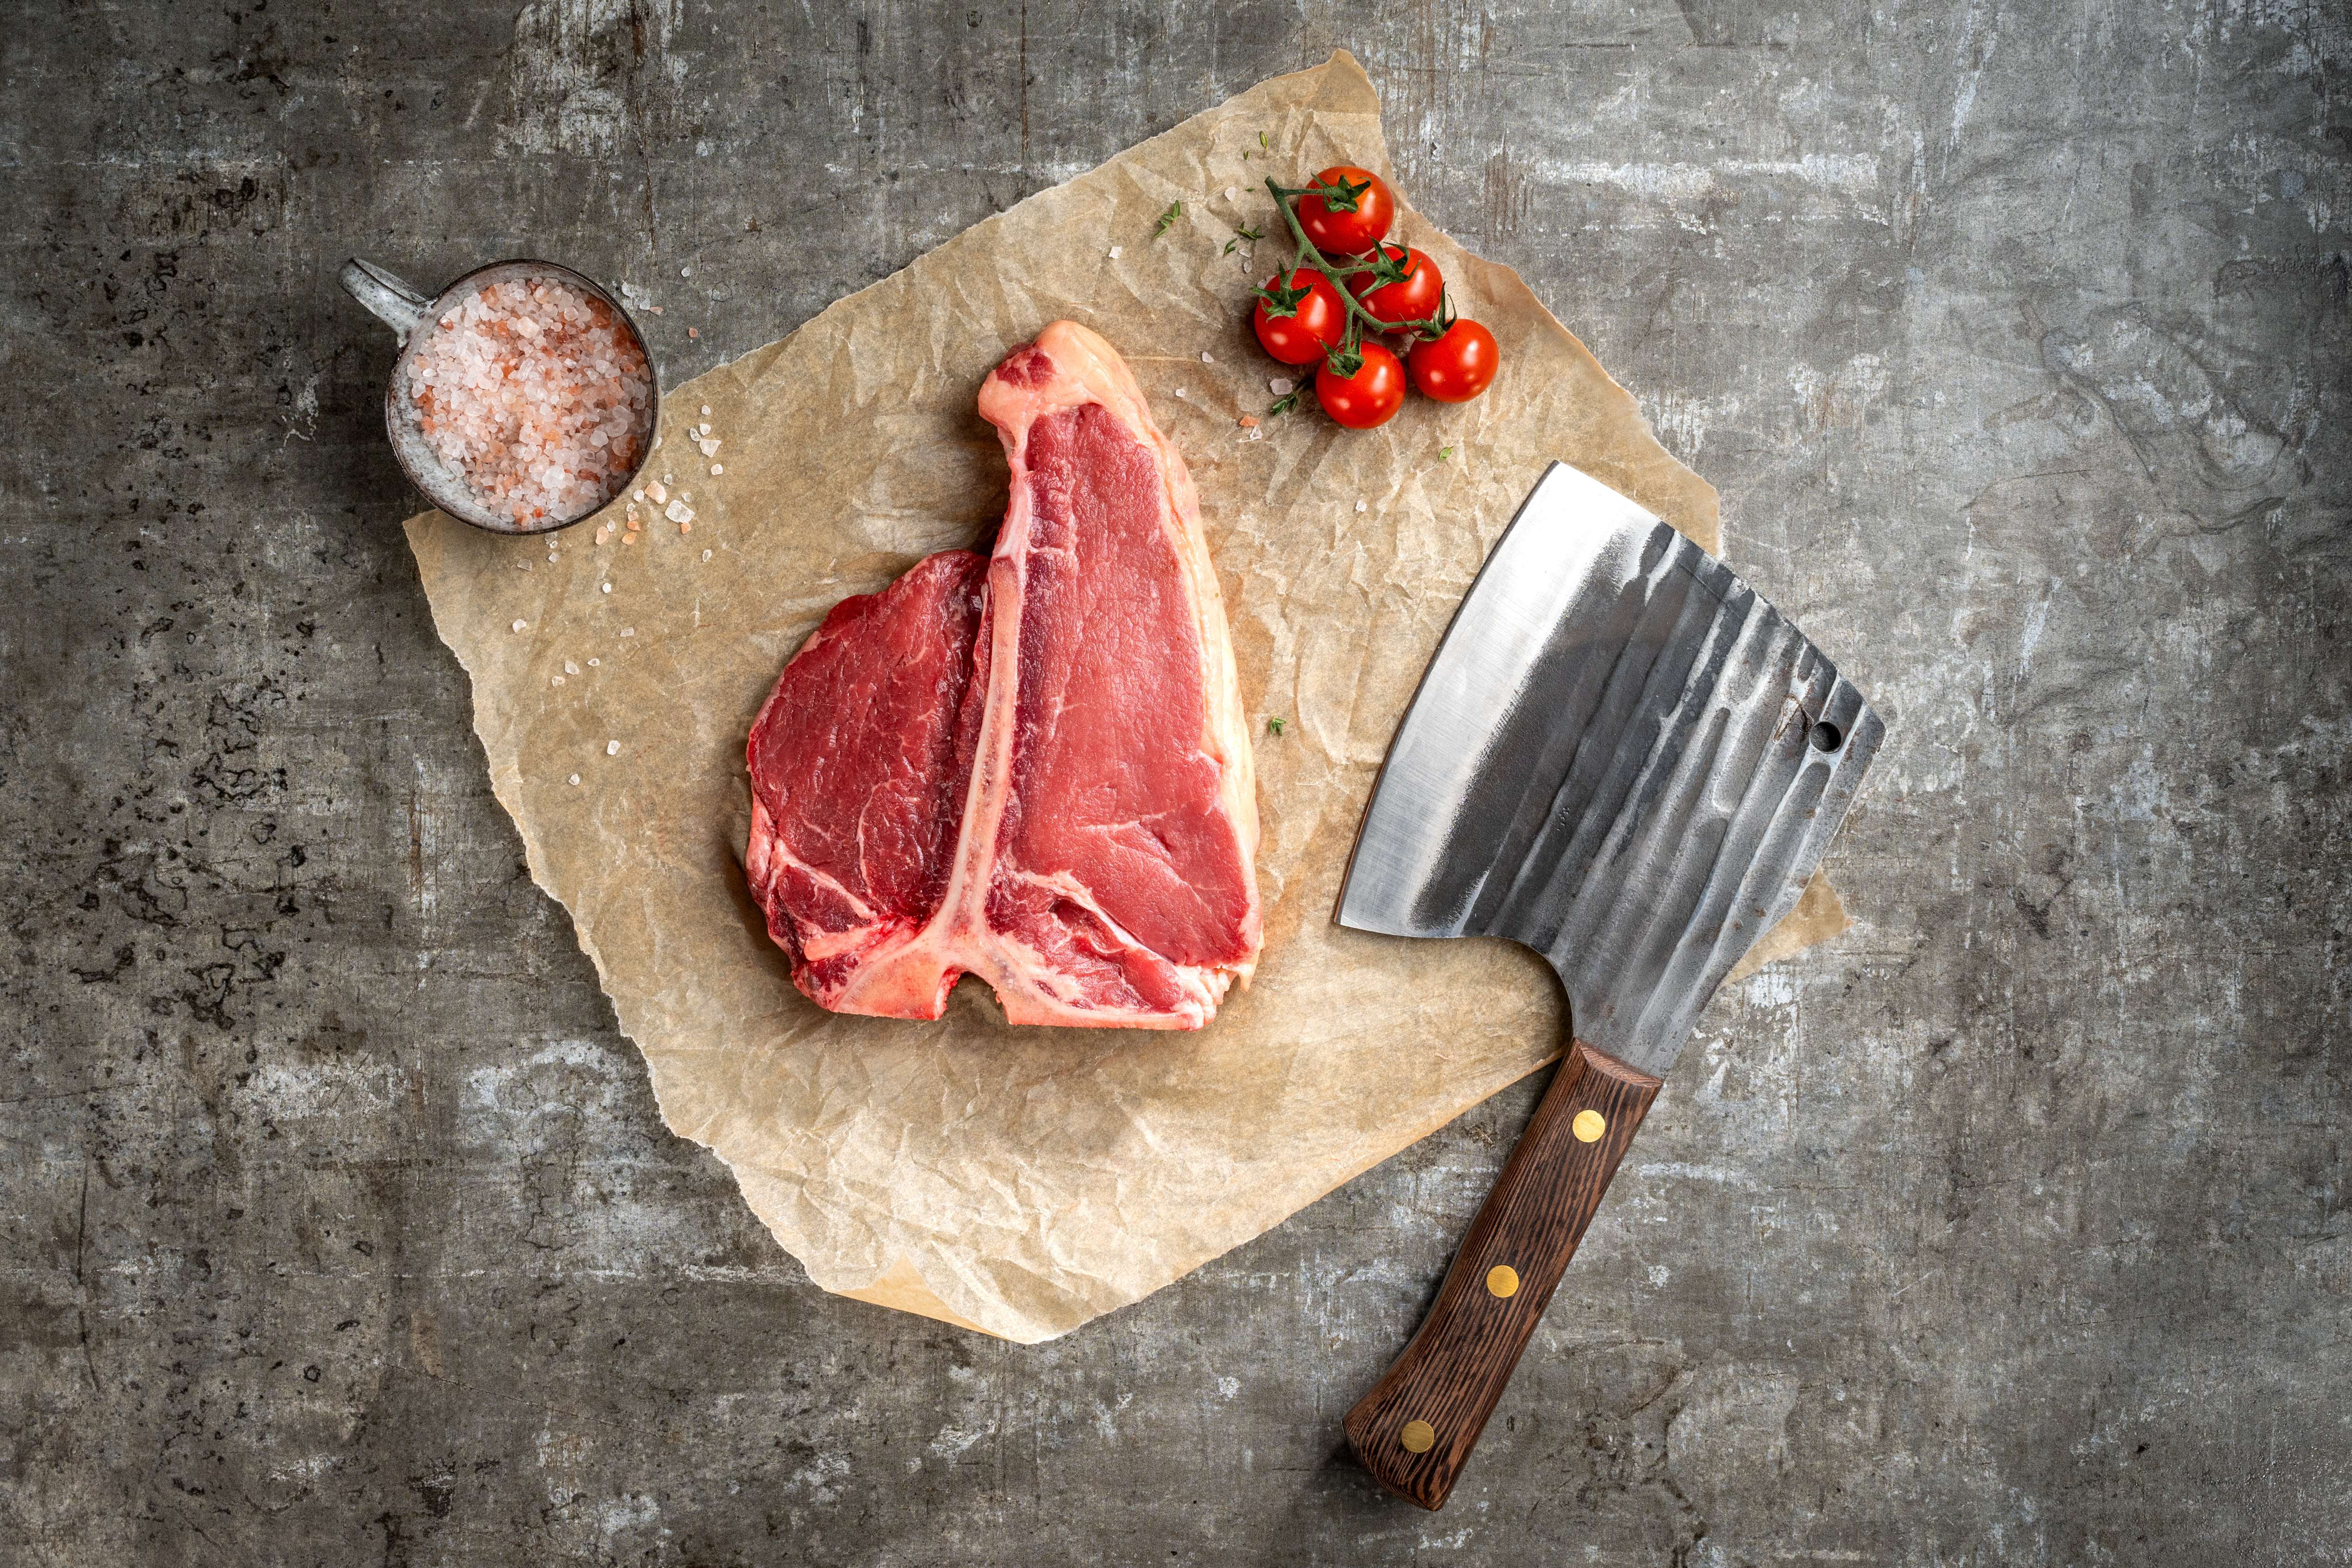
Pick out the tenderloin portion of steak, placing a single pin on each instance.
(1037, 772)
(861, 760)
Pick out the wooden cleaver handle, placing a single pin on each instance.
(1415, 1429)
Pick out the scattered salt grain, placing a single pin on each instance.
(1248, 422)
(686, 272)
(688, 528)
(1359, 506)
(570, 667)
(1256, 435)
(1205, 359)
(693, 331)
(594, 662)
(706, 410)
(575, 778)
(709, 445)
(1282, 386)
(706, 555)
(717, 469)
(703, 428)
(1233, 193)
(555, 680)
(629, 538)
(636, 495)
(519, 625)
(606, 587)
(1114, 253)
(612, 748)
(656, 493)
(536, 394)
(679, 511)
(628, 631)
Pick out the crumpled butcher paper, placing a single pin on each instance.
(1021, 1182)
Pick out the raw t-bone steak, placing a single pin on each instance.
(1032, 765)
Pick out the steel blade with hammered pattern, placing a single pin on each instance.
(1623, 758)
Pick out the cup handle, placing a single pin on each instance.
(399, 306)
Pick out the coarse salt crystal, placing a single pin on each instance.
(636, 495)
(1282, 386)
(679, 511)
(570, 667)
(612, 748)
(628, 631)
(1233, 193)
(693, 331)
(717, 469)
(555, 680)
(594, 662)
(686, 272)
(1359, 506)
(706, 555)
(519, 625)
(706, 408)
(1114, 253)
(685, 528)
(709, 445)
(1205, 359)
(703, 429)
(575, 778)
(657, 494)
(608, 587)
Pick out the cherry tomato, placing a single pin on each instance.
(1316, 319)
(1371, 396)
(1346, 225)
(1416, 298)
(1458, 366)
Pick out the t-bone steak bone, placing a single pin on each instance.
(1031, 767)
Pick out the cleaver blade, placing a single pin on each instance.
(1623, 757)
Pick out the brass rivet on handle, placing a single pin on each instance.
(1418, 1436)
(1502, 1281)
(1589, 1125)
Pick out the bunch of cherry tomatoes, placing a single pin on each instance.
(1347, 291)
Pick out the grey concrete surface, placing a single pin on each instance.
(337, 1224)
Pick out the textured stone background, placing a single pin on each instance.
(336, 1222)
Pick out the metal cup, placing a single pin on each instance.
(404, 310)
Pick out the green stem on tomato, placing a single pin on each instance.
(1308, 257)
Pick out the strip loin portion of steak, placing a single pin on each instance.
(1032, 768)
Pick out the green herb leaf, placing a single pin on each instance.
(1443, 453)
(1175, 210)
(1283, 405)
(1274, 726)
(1249, 233)
(1261, 139)
(1229, 245)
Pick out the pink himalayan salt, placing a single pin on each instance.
(538, 394)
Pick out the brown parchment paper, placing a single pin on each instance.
(1021, 1182)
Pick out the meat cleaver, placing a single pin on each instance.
(1623, 758)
